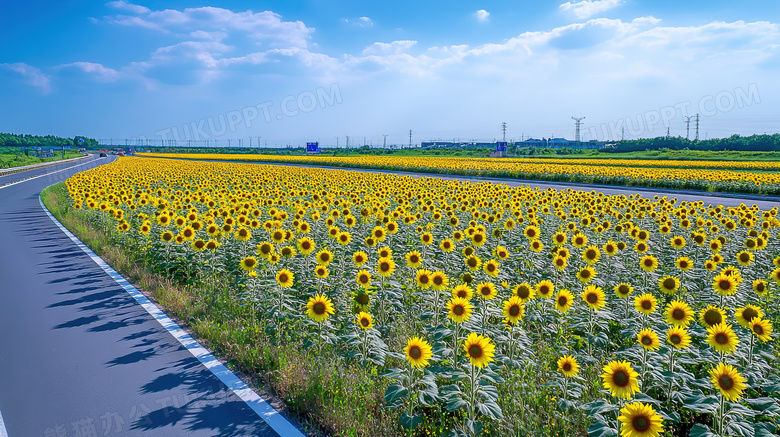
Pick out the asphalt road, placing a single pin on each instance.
(78, 356)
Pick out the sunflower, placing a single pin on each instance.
(491, 268)
(745, 258)
(319, 308)
(564, 300)
(321, 271)
(167, 236)
(486, 290)
(620, 379)
(761, 287)
(473, 263)
(775, 275)
(365, 321)
(363, 278)
(560, 263)
(545, 289)
(249, 263)
(531, 232)
(648, 263)
(379, 233)
(623, 290)
(645, 304)
(727, 379)
(559, 239)
(711, 316)
(198, 245)
(463, 291)
(413, 259)
(459, 309)
(586, 274)
(243, 234)
(678, 337)
(610, 248)
(306, 245)
(593, 296)
(591, 255)
(722, 338)
(684, 263)
(418, 352)
(761, 328)
(359, 258)
(579, 240)
(385, 266)
(479, 349)
(724, 285)
(324, 257)
(640, 420)
(668, 284)
(514, 309)
(384, 252)
(423, 279)
(641, 247)
(648, 339)
(678, 313)
(439, 280)
(524, 291)
(285, 278)
(746, 314)
(568, 366)
(677, 242)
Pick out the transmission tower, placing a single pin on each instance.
(697, 127)
(688, 127)
(503, 131)
(384, 141)
(410, 138)
(577, 123)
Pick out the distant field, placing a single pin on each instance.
(8, 160)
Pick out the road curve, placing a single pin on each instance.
(713, 198)
(78, 356)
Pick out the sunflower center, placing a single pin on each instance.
(585, 274)
(620, 378)
(415, 352)
(669, 283)
(514, 310)
(318, 308)
(592, 298)
(562, 301)
(678, 314)
(675, 339)
(646, 305)
(475, 351)
(365, 322)
(438, 280)
(725, 382)
(472, 262)
(485, 291)
(523, 293)
(362, 299)
(641, 423)
(712, 317)
(647, 341)
(721, 338)
(283, 277)
(423, 279)
(363, 279)
(724, 285)
(384, 267)
(758, 329)
(567, 367)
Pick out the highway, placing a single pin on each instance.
(79, 357)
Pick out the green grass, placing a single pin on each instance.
(19, 160)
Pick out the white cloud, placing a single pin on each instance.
(365, 22)
(482, 15)
(588, 8)
(31, 75)
(130, 7)
(100, 72)
(393, 48)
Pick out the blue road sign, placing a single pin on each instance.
(501, 146)
(313, 147)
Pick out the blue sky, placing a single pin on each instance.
(290, 72)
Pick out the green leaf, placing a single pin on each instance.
(740, 428)
(455, 403)
(394, 393)
(765, 405)
(491, 409)
(598, 406)
(474, 426)
(701, 430)
(601, 429)
(702, 404)
(410, 422)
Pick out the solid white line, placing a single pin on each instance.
(40, 176)
(234, 383)
(3, 432)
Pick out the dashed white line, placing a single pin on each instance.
(40, 176)
(263, 409)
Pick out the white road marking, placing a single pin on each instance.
(40, 176)
(3, 432)
(234, 383)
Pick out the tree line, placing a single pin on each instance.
(44, 142)
(753, 143)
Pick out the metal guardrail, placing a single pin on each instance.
(12, 170)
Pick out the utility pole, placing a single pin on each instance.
(364, 141)
(577, 123)
(410, 138)
(697, 126)
(622, 133)
(503, 131)
(337, 142)
(688, 127)
(384, 141)
(667, 132)
(347, 144)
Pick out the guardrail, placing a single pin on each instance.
(12, 170)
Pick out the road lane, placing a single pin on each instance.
(79, 356)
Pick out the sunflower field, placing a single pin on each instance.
(471, 308)
(723, 176)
